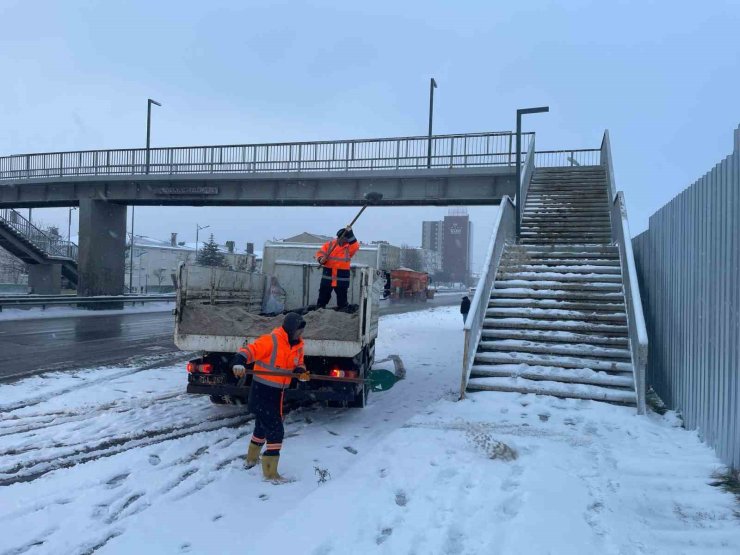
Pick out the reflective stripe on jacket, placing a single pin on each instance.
(273, 352)
(338, 257)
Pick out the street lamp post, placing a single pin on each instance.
(149, 127)
(432, 86)
(197, 229)
(149, 103)
(519, 114)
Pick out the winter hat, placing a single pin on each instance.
(346, 234)
(293, 322)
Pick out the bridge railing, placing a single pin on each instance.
(563, 158)
(52, 245)
(448, 151)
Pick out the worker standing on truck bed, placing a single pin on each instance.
(281, 351)
(335, 257)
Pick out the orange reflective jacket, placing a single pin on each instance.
(273, 352)
(337, 256)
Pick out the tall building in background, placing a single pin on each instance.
(456, 246)
(431, 236)
(449, 244)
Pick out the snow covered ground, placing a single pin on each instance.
(36, 313)
(116, 460)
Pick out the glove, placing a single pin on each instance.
(322, 260)
(239, 370)
(302, 374)
(348, 227)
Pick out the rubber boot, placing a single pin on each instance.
(270, 468)
(253, 455)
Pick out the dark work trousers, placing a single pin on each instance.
(465, 316)
(325, 290)
(266, 404)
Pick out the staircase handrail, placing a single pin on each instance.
(638, 337)
(504, 230)
(527, 173)
(49, 244)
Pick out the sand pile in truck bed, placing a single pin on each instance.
(230, 320)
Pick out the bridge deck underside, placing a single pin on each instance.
(456, 186)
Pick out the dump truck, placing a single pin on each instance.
(409, 285)
(218, 310)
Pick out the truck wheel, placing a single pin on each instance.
(218, 400)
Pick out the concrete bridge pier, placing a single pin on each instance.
(45, 279)
(102, 248)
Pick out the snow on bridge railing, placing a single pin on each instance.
(448, 151)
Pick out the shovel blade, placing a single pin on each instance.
(381, 380)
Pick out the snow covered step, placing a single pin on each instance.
(562, 240)
(555, 337)
(571, 231)
(566, 226)
(552, 373)
(538, 359)
(560, 256)
(550, 276)
(557, 294)
(611, 270)
(556, 389)
(556, 314)
(577, 349)
(556, 285)
(521, 258)
(555, 325)
(572, 220)
(577, 196)
(574, 217)
(561, 251)
(575, 192)
(556, 304)
(565, 214)
(541, 205)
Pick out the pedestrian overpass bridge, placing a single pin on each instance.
(476, 168)
(557, 309)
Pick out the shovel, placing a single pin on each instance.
(379, 380)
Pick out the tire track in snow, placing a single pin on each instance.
(34, 469)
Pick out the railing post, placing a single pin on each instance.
(28, 165)
(510, 141)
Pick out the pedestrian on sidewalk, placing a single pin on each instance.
(465, 308)
(279, 351)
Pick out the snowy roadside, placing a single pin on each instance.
(38, 313)
(110, 461)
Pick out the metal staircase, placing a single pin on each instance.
(559, 318)
(31, 245)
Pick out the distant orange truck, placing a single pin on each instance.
(408, 285)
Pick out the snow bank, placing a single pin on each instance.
(36, 313)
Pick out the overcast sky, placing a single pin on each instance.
(663, 77)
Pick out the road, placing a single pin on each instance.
(28, 347)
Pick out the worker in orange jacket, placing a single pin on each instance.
(335, 257)
(282, 351)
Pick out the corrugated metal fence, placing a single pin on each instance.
(688, 264)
